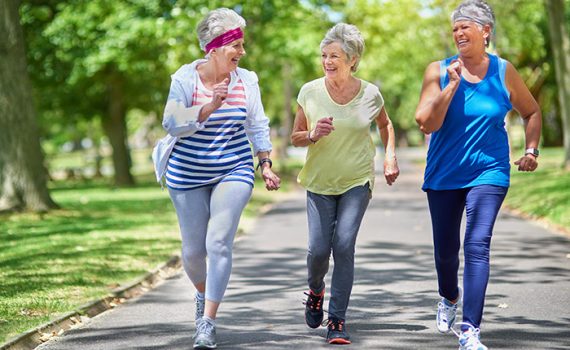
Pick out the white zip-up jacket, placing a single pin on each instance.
(180, 119)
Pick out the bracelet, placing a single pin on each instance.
(309, 137)
(264, 160)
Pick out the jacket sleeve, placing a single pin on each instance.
(257, 123)
(180, 118)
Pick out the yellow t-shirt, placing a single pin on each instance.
(345, 158)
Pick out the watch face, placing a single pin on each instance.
(533, 151)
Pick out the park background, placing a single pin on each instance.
(82, 88)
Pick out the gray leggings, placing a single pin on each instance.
(208, 218)
(333, 225)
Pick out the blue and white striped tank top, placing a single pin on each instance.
(219, 152)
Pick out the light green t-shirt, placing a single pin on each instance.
(345, 158)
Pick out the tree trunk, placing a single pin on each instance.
(561, 51)
(23, 177)
(115, 127)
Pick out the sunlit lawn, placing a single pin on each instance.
(544, 193)
(102, 238)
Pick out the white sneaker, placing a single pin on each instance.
(446, 313)
(469, 339)
(205, 337)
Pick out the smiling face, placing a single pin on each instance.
(227, 57)
(336, 64)
(469, 37)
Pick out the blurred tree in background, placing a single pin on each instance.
(23, 180)
(98, 59)
(560, 44)
(100, 68)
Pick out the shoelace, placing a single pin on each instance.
(446, 309)
(313, 301)
(336, 325)
(205, 327)
(470, 327)
(473, 338)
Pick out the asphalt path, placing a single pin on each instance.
(394, 296)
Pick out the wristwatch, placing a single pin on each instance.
(264, 160)
(533, 151)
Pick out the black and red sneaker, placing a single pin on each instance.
(336, 333)
(314, 308)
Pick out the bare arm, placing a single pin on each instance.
(434, 102)
(386, 130)
(525, 104)
(301, 136)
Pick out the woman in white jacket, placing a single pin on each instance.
(213, 115)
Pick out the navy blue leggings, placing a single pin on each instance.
(481, 204)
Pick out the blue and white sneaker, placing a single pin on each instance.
(205, 337)
(469, 338)
(446, 313)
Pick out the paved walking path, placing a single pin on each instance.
(394, 296)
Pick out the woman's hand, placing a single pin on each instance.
(391, 170)
(220, 93)
(272, 181)
(454, 71)
(323, 128)
(527, 163)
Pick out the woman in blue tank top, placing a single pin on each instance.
(463, 104)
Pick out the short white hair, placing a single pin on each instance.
(216, 23)
(477, 11)
(350, 40)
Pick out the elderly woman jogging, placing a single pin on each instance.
(213, 113)
(333, 120)
(463, 103)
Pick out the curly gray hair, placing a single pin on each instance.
(477, 11)
(216, 23)
(349, 38)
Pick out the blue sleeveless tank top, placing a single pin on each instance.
(471, 148)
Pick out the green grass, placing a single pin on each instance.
(544, 193)
(102, 238)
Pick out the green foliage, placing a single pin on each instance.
(77, 48)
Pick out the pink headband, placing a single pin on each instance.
(224, 39)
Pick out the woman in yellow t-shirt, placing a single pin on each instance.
(333, 119)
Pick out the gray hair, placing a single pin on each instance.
(477, 11)
(349, 38)
(216, 23)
